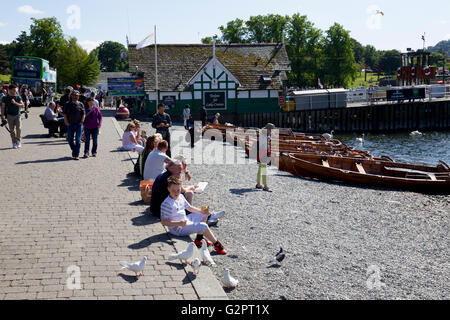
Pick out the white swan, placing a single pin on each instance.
(328, 136)
(416, 133)
(361, 139)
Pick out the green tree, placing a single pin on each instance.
(5, 62)
(210, 40)
(257, 29)
(304, 51)
(389, 61)
(109, 55)
(275, 26)
(75, 65)
(339, 62)
(234, 32)
(21, 46)
(371, 56)
(46, 37)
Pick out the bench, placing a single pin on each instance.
(46, 123)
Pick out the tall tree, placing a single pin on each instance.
(75, 65)
(21, 46)
(46, 37)
(5, 62)
(234, 32)
(109, 55)
(371, 56)
(389, 61)
(304, 51)
(339, 62)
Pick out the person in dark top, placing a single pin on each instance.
(162, 122)
(66, 97)
(203, 115)
(159, 189)
(74, 115)
(83, 97)
(11, 106)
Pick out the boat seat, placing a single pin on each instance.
(360, 168)
(411, 172)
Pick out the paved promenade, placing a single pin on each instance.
(57, 215)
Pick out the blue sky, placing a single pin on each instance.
(188, 21)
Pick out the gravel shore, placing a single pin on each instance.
(342, 242)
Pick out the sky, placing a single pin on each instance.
(181, 21)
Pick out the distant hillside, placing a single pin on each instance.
(441, 46)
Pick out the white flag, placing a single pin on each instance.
(146, 42)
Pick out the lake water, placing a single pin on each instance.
(427, 149)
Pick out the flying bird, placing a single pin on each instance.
(184, 255)
(228, 281)
(205, 255)
(137, 267)
(196, 264)
(279, 257)
(380, 12)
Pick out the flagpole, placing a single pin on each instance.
(156, 73)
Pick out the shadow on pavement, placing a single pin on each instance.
(144, 220)
(45, 161)
(241, 192)
(149, 241)
(131, 182)
(129, 279)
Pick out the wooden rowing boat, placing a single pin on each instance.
(372, 173)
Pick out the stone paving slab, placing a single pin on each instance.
(57, 213)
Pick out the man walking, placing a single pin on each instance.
(11, 107)
(162, 122)
(74, 116)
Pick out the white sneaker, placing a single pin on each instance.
(19, 145)
(217, 215)
(14, 145)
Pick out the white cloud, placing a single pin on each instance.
(27, 9)
(444, 22)
(89, 45)
(4, 42)
(2, 24)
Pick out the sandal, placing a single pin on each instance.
(267, 189)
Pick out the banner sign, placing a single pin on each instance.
(405, 94)
(169, 102)
(126, 86)
(215, 100)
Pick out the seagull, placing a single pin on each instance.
(328, 136)
(204, 253)
(379, 12)
(184, 255)
(196, 264)
(361, 139)
(135, 267)
(228, 281)
(279, 257)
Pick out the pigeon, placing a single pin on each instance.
(228, 281)
(135, 267)
(279, 257)
(184, 255)
(196, 264)
(204, 253)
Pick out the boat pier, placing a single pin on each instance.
(410, 116)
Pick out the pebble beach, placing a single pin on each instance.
(341, 242)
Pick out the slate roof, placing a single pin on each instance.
(178, 63)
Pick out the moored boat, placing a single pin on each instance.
(371, 173)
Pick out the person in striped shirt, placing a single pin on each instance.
(173, 216)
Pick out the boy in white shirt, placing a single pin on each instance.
(156, 161)
(173, 216)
